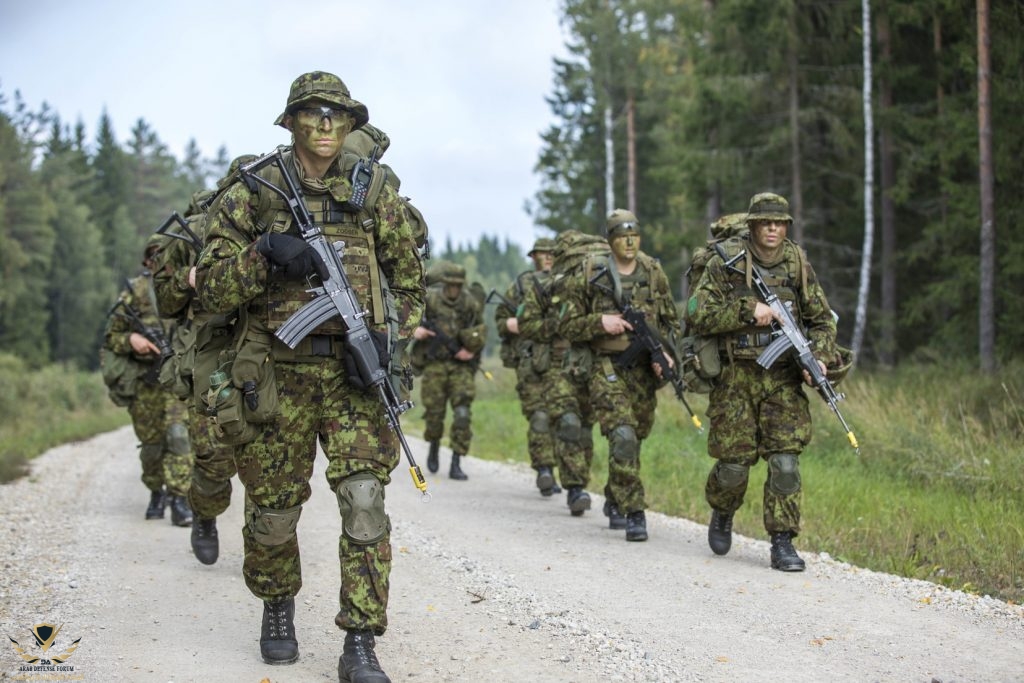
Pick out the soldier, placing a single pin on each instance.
(158, 417)
(759, 413)
(447, 353)
(254, 260)
(214, 465)
(534, 361)
(624, 396)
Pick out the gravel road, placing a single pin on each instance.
(491, 582)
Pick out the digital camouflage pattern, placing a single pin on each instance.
(154, 409)
(755, 413)
(564, 384)
(446, 381)
(316, 398)
(621, 397)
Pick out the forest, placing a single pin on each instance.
(678, 109)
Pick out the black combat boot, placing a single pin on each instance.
(205, 546)
(455, 472)
(157, 503)
(358, 662)
(784, 557)
(578, 501)
(720, 532)
(636, 526)
(616, 520)
(432, 462)
(181, 513)
(545, 481)
(277, 638)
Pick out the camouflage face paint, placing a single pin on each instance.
(319, 134)
(625, 246)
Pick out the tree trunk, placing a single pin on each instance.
(986, 313)
(869, 188)
(796, 200)
(887, 331)
(631, 151)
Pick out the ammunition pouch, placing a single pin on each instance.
(176, 371)
(121, 375)
(536, 358)
(578, 362)
(701, 363)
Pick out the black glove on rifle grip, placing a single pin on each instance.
(290, 256)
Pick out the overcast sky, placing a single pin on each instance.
(459, 85)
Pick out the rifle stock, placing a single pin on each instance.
(332, 298)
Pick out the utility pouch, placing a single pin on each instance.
(176, 372)
(701, 363)
(508, 354)
(213, 337)
(121, 376)
(578, 362)
(540, 358)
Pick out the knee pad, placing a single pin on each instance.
(361, 501)
(731, 475)
(460, 417)
(783, 474)
(539, 422)
(151, 452)
(569, 428)
(272, 527)
(177, 439)
(623, 444)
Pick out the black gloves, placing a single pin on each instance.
(290, 257)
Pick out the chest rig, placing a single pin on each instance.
(610, 290)
(340, 219)
(451, 317)
(785, 278)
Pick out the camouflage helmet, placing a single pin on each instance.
(542, 244)
(453, 274)
(768, 206)
(320, 85)
(620, 220)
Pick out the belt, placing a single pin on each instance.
(744, 341)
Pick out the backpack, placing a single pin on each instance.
(573, 248)
(699, 359)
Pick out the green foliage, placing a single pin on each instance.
(934, 494)
(44, 407)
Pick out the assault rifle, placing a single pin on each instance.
(787, 336)
(443, 347)
(495, 294)
(646, 342)
(188, 237)
(154, 333)
(332, 298)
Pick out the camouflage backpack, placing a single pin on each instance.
(729, 225)
(573, 248)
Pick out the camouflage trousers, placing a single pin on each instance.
(754, 414)
(568, 403)
(210, 493)
(444, 382)
(318, 403)
(624, 397)
(533, 390)
(160, 421)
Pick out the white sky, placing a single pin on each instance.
(458, 85)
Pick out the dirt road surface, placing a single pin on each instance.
(491, 582)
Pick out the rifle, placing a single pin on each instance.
(189, 237)
(451, 346)
(787, 336)
(332, 298)
(495, 294)
(645, 341)
(154, 333)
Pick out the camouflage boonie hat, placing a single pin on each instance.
(840, 366)
(542, 244)
(768, 206)
(320, 85)
(621, 220)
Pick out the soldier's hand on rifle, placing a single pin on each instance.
(614, 323)
(807, 376)
(192, 277)
(464, 355)
(763, 315)
(658, 371)
(421, 333)
(142, 346)
(290, 256)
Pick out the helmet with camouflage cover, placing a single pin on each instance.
(542, 244)
(620, 220)
(453, 274)
(325, 87)
(768, 206)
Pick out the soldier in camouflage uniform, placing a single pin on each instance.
(757, 413)
(566, 398)
(214, 465)
(624, 397)
(160, 420)
(254, 260)
(534, 362)
(447, 353)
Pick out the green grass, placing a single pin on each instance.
(934, 494)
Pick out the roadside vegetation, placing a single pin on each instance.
(935, 492)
